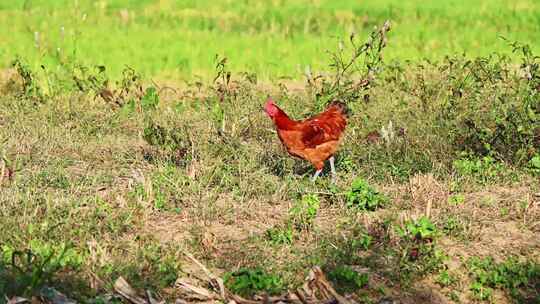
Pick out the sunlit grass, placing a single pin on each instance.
(270, 38)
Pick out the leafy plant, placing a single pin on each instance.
(456, 199)
(485, 169)
(354, 65)
(347, 279)
(520, 279)
(150, 99)
(534, 164)
(26, 271)
(364, 241)
(56, 179)
(421, 230)
(90, 79)
(364, 197)
(303, 213)
(452, 225)
(247, 282)
(280, 235)
(489, 117)
(30, 86)
(446, 279)
(170, 143)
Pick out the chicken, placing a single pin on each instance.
(314, 139)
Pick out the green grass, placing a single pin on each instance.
(179, 39)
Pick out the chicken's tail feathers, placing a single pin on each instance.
(341, 106)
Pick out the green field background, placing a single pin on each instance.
(272, 38)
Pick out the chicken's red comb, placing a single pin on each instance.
(269, 101)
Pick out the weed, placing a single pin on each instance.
(25, 272)
(347, 278)
(352, 75)
(416, 260)
(420, 230)
(364, 241)
(504, 127)
(55, 179)
(303, 213)
(247, 282)
(520, 279)
(534, 164)
(280, 235)
(455, 226)
(364, 197)
(456, 199)
(446, 279)
(30, 87)
(171, 143)
(485, 169)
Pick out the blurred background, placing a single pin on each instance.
(176, 39)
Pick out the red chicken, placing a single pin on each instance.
(314, 139)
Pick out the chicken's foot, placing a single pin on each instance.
(333, 169)
(316, 175)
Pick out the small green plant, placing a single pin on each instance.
(480, 291)
(150, 99)
(485, 169)
(247, 282)
(168, 138)
(534, 164)
(418, 259)
(364, 197)
(456, 199)
(30, 87)
(90, 79)
(159, 200)
(355, 65)
(280, 235)
(347, 279)
(446, 279)
(303, 213)
(420, 230)
(364, 241)
(26, 271)
(55, 179)
(453, 226)
(519, 279)
(170, 144)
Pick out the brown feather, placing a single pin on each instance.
(314, 139)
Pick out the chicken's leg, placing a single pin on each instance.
(333, 169)
(316, 175)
